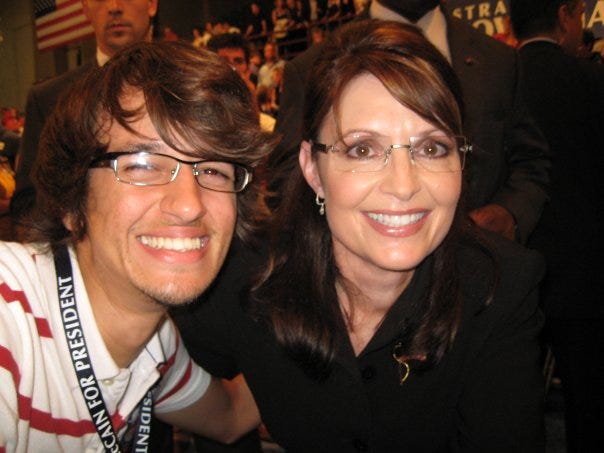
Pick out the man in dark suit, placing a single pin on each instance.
(566, 97)
(116, 25)
(509, 166)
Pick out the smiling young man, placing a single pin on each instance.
(145, 174)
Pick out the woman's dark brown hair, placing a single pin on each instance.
(297, 293)
(196, 102)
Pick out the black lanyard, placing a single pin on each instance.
(78, 352)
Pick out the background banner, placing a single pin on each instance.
(487, 15)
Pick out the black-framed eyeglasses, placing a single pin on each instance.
(143, 168)
(364, 154)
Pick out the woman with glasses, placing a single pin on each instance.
(382, 319)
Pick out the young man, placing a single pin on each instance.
(116, 24)
(271, 61)
(143, 177)
(233, 48)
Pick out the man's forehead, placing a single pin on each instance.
(114, 134)
(129, 100)
(132, 98)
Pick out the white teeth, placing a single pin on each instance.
(396, 220)
(175, 244)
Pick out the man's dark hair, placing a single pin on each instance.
(534, 17)
(229, 41)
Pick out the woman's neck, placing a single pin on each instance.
(365, 301)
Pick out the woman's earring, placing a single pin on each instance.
(321, 203)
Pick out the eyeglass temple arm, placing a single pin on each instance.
(321, 147)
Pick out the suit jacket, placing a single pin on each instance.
(509, 165)
(566, 97)
(41, 101)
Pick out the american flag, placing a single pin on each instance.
(60, 22)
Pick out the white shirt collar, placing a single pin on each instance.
(538, 39)
(101, 58)
(433, 24)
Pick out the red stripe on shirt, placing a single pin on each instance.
(40, 420)
(7, 361)
(183, 381)
(10, 295)
(45, 422)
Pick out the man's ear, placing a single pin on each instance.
(152, 8)
(308, 164)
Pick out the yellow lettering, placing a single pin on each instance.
(498, 24)
(486, 26)
(484, 10)
(597, 16)
(500, 8)
(470, 12)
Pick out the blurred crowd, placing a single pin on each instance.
(267, 37)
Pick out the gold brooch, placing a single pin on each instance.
(403, 367)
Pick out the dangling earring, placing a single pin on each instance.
(321, 203)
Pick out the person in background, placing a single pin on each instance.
(233, 48)
(280, 18)
(116, 24)
(225, 26)
(9, 144)
(255, 62)
(169, 34)
(382, 319)
(566, 96)
(12, 120)
(257, 30)
(317, 35)
(298, 27)
(144, 175)
(316, 9)
(271, 61)
(197, 40)
(509, 172)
